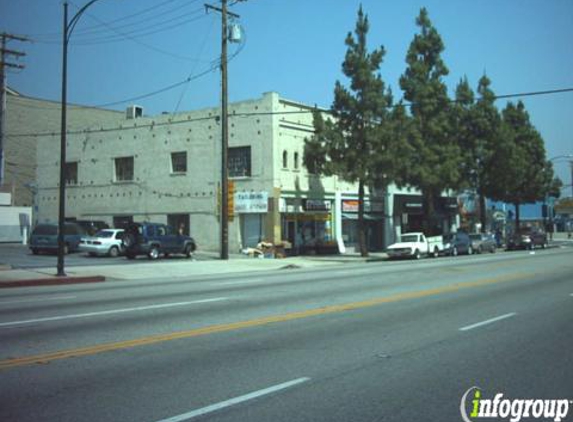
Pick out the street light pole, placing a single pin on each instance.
(68, 29)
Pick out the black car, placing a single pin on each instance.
(457, 243)
(153, 239)
(527, 238)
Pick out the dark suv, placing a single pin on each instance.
(153, 239)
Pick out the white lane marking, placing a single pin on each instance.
(231, 283)
(6, 302)
(489, 321)
(234, 401)
(354, 272)
(111, 311)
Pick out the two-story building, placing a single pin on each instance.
(166, 169)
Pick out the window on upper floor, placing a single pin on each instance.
(296, 160)
(71, 173)
(124, 169)
(179, 162)
(239, 161)
(285, 160)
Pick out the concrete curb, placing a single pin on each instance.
(52, 281)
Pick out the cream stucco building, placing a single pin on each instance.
(166, 168)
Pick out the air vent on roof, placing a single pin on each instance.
(133, 112)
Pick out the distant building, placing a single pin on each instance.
(128, 167)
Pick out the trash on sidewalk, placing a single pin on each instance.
(268, 250)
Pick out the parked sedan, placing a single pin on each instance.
(482, 242)
(457, 243)
(527, 238)
(104, 242)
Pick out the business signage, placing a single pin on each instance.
(251, 202)
(316, 205)
(351, 205)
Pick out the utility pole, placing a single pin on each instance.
(4, 52)
(224, 214)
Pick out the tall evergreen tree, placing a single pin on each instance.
(486, 123)
(437, 164)
(522, 173)
(356, 143)
(461, 125)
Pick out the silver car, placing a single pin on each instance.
(482, 242)
(104, 242)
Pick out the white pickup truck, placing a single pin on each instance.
(416, 245)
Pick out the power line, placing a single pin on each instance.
(190, 78)
(250, 114)
(54, 37)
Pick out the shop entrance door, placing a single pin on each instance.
(251, 230)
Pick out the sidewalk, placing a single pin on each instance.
(171, 268)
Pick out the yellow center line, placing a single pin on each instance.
(257, 322)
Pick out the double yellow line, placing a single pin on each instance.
(220, 328)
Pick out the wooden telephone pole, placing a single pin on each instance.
(224, 214)
(4, 53)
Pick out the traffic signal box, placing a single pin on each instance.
(231, 199)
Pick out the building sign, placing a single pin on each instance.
(351, 205)
(251, 202)
(316, 205)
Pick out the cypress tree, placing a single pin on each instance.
(356, 143)
(521, 172)
(437, 165)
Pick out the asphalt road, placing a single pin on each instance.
(400, 341)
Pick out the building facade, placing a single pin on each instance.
(167, 169)
(28, 121)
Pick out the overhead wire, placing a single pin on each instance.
(250, 114)
(54, 37)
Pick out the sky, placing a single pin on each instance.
(124, 49)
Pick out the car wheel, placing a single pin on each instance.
(188, 251)
(114, 251)
(493, 249)
(417, 254)
(35, 251)
(436, 252)
(480, 250)
(455, 251)
(153, 252)
(544, 245)
(130, 256)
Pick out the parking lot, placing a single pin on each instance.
(19, 256)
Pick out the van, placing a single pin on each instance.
(44, 238)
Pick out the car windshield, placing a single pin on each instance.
(475, 236)
(104, 233)
(46, 230)
(408, 238)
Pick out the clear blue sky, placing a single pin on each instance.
(124, 48)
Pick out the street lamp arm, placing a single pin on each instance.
(72, 23)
